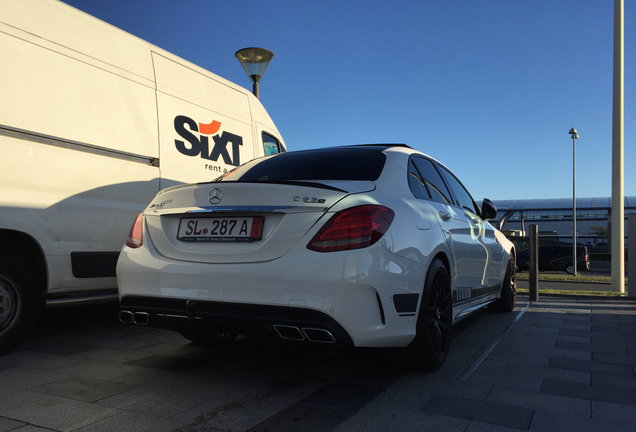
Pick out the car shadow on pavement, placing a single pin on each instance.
(72, 330)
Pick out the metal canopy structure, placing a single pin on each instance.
(560, 203)
(507, 208)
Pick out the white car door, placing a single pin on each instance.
(469, 256)
(484, 235)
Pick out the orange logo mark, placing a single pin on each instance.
(209, 129)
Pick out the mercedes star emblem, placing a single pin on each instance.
(215, 196)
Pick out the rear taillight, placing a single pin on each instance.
(354, 228)
(135, 236)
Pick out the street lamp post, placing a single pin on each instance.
(255, 62)
(575, 135)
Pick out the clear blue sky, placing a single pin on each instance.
(488, 87)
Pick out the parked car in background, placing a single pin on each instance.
(601, 248)
(358, 246)
(556, 258)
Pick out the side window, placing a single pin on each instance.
(271, 145)
(461, 194)
(418, 188)
(432, 180)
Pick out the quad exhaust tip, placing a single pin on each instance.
(287, 332)
(318, 335)
(311, 334)
(138, 318)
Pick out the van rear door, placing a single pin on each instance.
(205, 125)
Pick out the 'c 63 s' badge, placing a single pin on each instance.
(215, 196)
(310, 200)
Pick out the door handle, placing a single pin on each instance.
(445, 216)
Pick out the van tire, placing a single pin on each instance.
(18, 303)
(429, 348)
(508, 299)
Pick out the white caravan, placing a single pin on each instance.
(93, 123)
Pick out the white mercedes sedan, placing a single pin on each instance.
(356, 246)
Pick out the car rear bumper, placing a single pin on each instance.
(276, 323)
(368, 297)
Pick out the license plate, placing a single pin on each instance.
(236, 229)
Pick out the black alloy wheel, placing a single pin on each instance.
(440, 313)
(430, 347)
(508, 299)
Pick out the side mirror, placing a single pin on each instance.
(488, 210)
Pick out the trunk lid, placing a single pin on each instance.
(288, 212)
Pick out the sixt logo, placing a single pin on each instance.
(201, 145)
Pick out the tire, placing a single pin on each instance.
(429, 349)
(569, 269)
(18, 303)
(508, 299)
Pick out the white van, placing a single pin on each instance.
(93, 123)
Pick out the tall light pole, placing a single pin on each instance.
(618, 144)
(575, 135)
(255, 62)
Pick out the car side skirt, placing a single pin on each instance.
(479, 297)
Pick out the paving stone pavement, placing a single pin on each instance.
(559, 364)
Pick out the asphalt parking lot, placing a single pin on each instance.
(559, 364)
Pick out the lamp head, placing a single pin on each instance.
(255, 61)
(574, 133)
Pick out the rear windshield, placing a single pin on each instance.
(325, 164)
